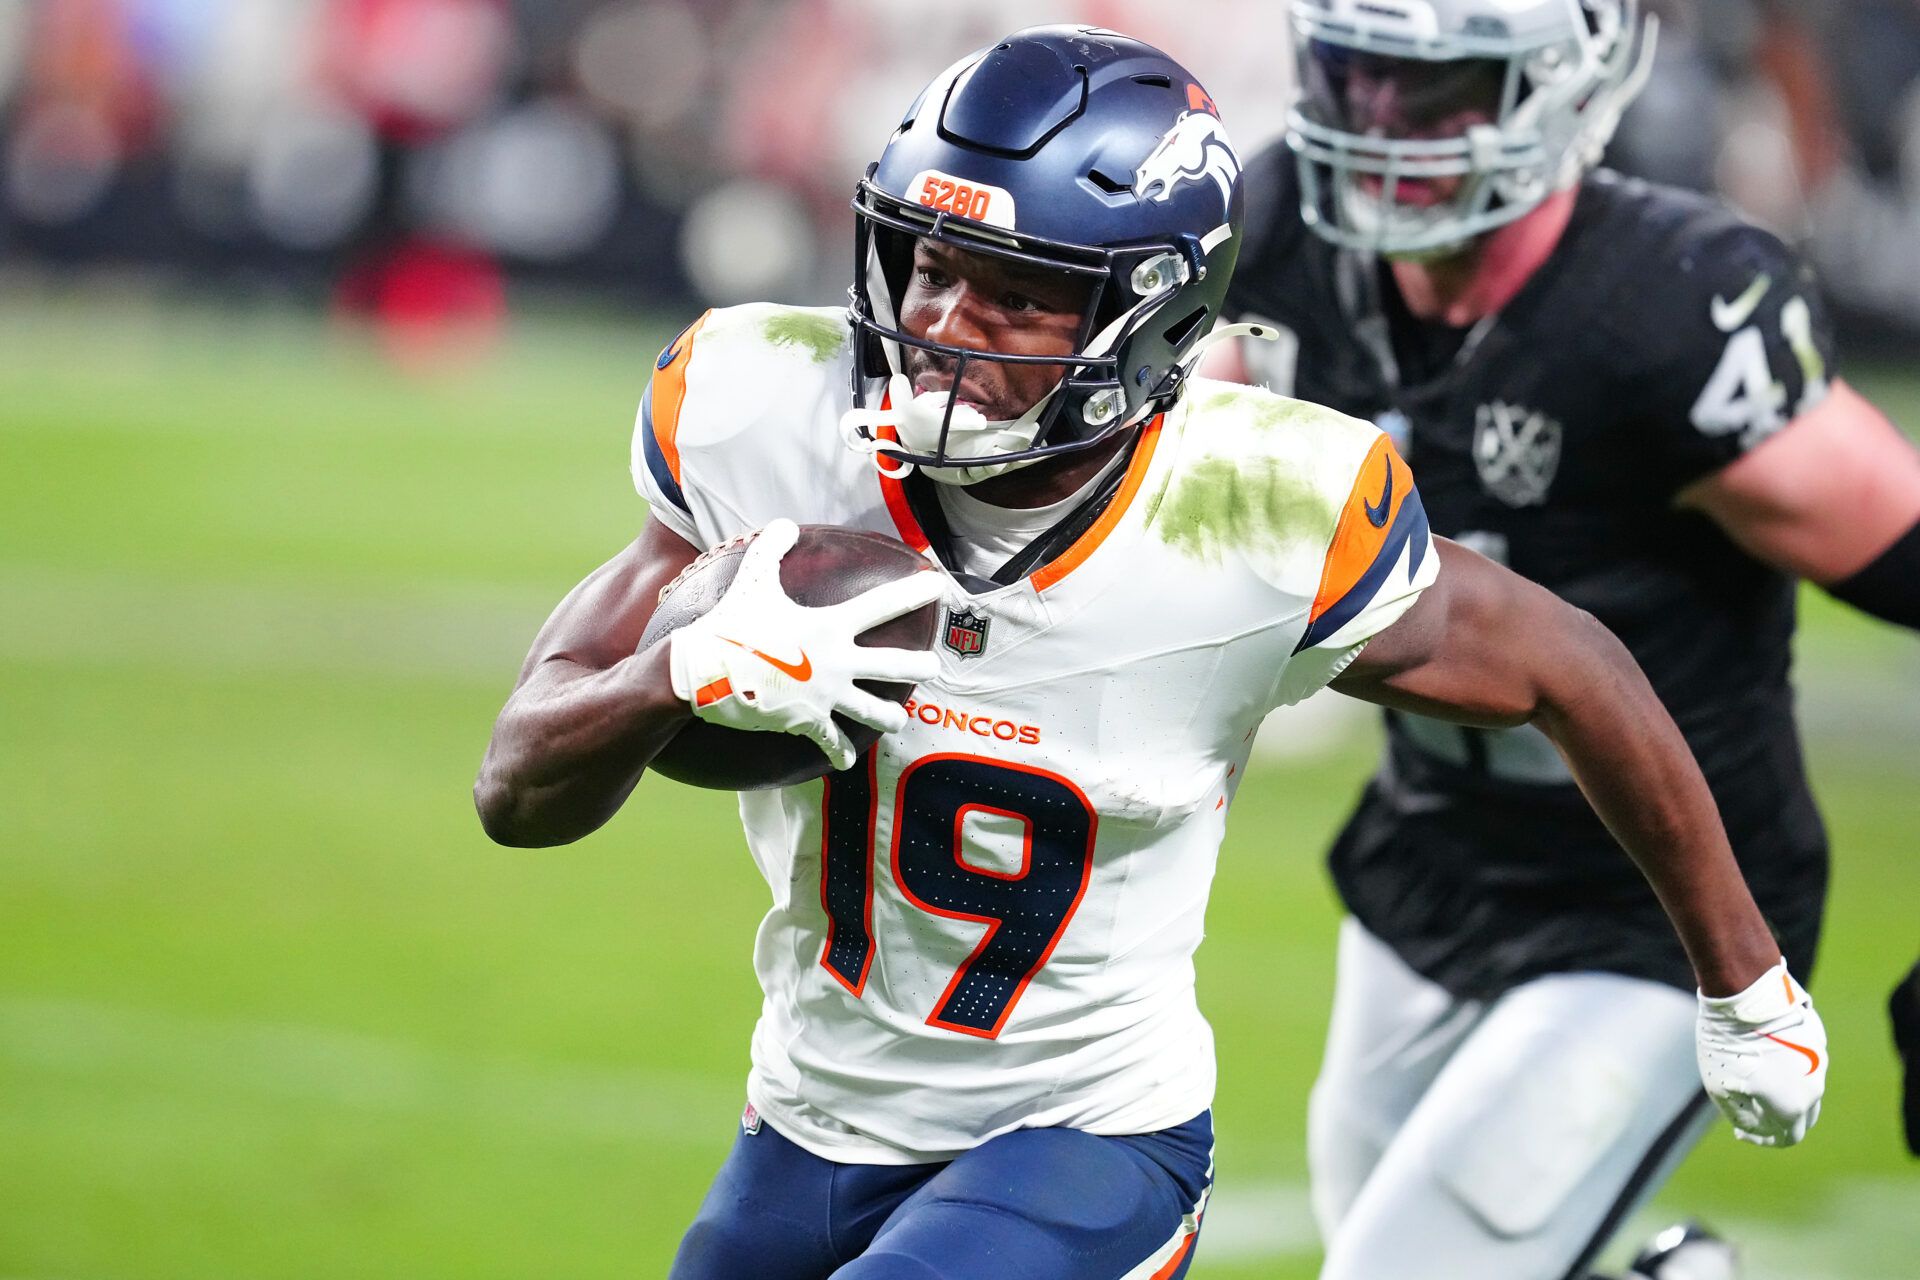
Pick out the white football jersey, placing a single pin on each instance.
(989, 922)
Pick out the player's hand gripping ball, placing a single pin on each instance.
(1763, 1058)
(795, 648)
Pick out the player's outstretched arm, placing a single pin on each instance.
(588, 712)
(1484, 646)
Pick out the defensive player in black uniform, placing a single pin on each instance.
(1626, 394)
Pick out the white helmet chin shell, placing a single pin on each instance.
(914, 423)
(969, 435)
(1572, 66)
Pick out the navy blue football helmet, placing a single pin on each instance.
(1068, 148)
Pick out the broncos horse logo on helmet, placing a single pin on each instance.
(1067, 148)
(1196, 148)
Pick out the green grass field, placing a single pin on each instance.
(270, 1005)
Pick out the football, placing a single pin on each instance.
(827, 566)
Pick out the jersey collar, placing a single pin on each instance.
(894, 491)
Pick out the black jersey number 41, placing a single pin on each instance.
(1026, 910)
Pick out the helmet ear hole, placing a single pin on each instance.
(1186, 327)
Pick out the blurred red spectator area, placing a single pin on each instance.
(416, 67)
(681, 152)
(607, 144)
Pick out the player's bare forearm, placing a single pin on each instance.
(588, 712)
(1485, 647)
(569, 747)
(1834, 497)
(1641, 778)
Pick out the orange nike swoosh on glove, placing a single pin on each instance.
(1812, 1057)
(802, 670)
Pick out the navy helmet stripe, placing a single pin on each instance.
(1409, 525)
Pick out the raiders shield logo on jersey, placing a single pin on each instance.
(1516, 451)
(966, 633)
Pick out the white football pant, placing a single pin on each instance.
(1465, 1140)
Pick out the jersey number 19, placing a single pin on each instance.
(1026, 910)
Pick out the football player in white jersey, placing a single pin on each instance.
(979, 1051)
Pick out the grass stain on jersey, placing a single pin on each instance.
(1239, 503)
(821, 335)
(1257, 408)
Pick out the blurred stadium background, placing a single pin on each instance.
(321, 327)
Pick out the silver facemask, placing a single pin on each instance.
(1420, 124)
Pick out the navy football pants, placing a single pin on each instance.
(1035, 1204)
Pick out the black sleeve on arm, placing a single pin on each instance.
(1889, 587)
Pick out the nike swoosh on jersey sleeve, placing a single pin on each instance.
(658, 430)
(1382, 518)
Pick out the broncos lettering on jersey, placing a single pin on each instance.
(988, 922)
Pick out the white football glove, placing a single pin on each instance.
(1763, 1058)
(757, 660)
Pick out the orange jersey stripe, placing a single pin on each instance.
(1179, 1256)
(1383, 486)
(669, 392)
(1070, 559)
(897, 506)
(896, 494)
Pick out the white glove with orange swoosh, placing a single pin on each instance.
(757, 660)
(1763, 1058)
